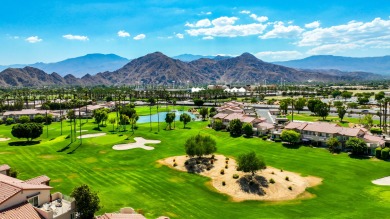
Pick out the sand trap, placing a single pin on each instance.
(92, 135)
(279, 191)
(5, 139)
(385, 181)
(139, 143)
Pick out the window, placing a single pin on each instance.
(33, 201)
(72, 216)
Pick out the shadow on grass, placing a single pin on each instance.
(74, 150)
(198, 165)
(23, 143)
(291, 146)
(97, 129)
(187, 128)
(359, 156)
(253, 185)
(65, 148)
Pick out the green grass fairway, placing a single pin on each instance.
(133, 178)
(334, 119)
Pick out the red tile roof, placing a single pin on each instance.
(22, 211)
(266, 125)
(296, 125)
(121, 216)
(38, 180)
(7, 191)
(374, 139)
(21, 184)
(325, 127)
(220, 116)
(352, 132)
(4, 167)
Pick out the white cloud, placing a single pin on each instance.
(348, 33)
(278, 55)
(139, 36)
(245, 12)
(282, 31)
(123, 33)
(180, 35)
(205, 13)
(224, 21)
(332, 48)
(75, 37)
(208, 38)
(201, 23)
(260, 19)
(33, 39)
(229, 30)
(312, 25)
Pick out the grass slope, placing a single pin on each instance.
(134, 178)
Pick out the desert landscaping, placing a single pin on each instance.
(287, 185)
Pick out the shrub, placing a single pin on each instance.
(186, 163)
(226, 158)
(235, 176)
(376, 130)
(223, 183)
(264, 138)
(222, 171)
(175, 164)
(378, 152)
(24, 119)
(226, 161)
(287, 179)
(272, 181)
(226, 166)
(212, 161)
(281, 170)
(272, 172)
(290, 188)
(277, 140)
(13, 173)
(385, 153)
(9, 121)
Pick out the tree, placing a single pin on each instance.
(39, 118)
(250, 163)
(124, 119)
(312, 103)
(235, 127)
(332, 144)
(198, 102)
(290, 136)
(346, 95)
(247, 129)
(169, 118)
(112, 121)
(357, 145)
(29, 131)
(100, 115)
(322, 109)
(217, 124)
(300, 103)
(212, 112)
(341, 111)
(363, 100)
(367, 121)
(283, 106)
(337, 104)
(48, 119)
(336, 93)
(200, 145)
(24, 119)
(204, 111)
(185, 118)
(133, 121)
(87, 201)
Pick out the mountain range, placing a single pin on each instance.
(79, 66)
(157, 68)
(379, 65)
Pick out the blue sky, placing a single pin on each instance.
(49, 31)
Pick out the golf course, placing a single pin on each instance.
(134, 178)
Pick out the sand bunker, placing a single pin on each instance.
(139, 143)
(240, 189)
(92, 135)
(4, 139)
(385, 181)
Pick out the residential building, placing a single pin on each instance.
(125, 213)
(32, 199)
(4, 169)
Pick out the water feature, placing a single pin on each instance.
(145, 119)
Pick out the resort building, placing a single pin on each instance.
(30, 113)
(32, 199)
(319, 132)
(125, 213)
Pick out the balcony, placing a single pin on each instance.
(60, 206)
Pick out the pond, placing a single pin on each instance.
(145, 119)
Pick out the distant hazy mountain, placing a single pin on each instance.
(157, 68)
(190, 57)
(80, 66)
(379, 65)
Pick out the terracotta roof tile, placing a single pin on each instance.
(4, 167)
(21, 184)
(7, 191)
(38, 180)
(296, 125)
(22, 211)
(220, 116)
(374, 139)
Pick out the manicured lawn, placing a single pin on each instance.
(334, 119)
(134, 178)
